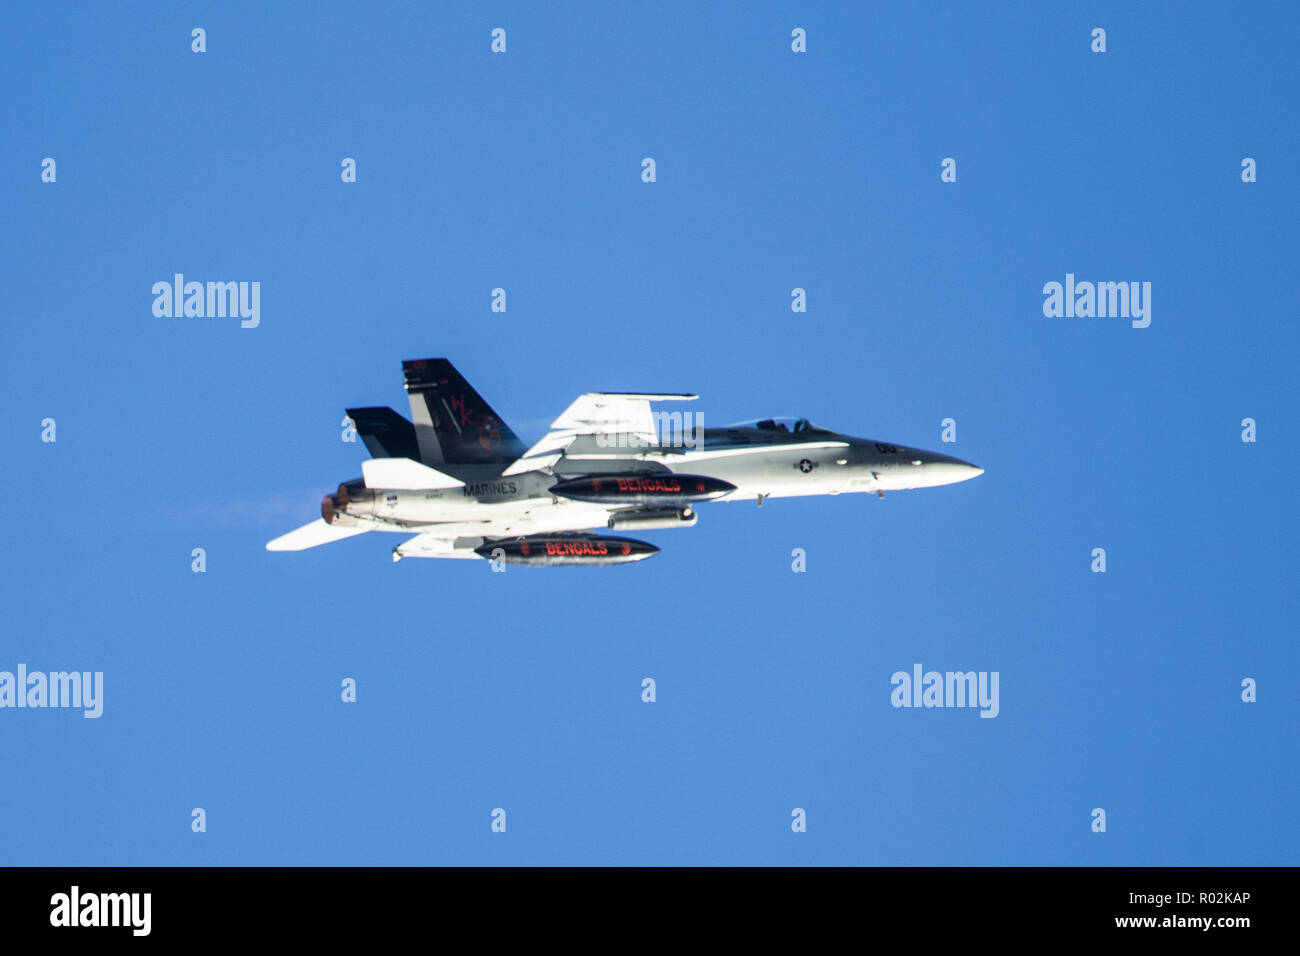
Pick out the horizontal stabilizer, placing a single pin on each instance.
(402, 474)
(311, 535)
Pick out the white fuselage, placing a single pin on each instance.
(491, 505)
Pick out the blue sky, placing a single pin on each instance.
(775, 170)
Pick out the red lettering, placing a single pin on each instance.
(644, 484)
(564, 548)
(458, 406)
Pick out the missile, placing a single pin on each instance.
(652, 518)
(663, 488)
(572, 549)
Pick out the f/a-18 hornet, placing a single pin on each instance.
(462, 484)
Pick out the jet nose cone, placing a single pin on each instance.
(943, 470)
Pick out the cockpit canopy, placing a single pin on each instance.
(787, 424)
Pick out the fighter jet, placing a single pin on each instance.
(459, 481)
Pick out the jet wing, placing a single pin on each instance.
(597, 413)
(311, 535)
(433, 546)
